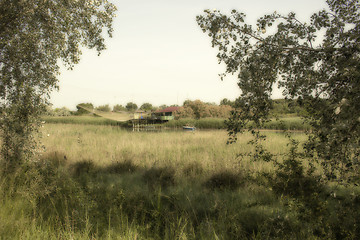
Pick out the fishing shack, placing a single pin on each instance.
(166, 114)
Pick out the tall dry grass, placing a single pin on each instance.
(103, 182)
(105, 144)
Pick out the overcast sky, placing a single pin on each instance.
(158, 54)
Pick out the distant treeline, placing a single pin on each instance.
(189, 110)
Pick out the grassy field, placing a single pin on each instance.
(104, 182)
(104, 145)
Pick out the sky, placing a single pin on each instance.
(158, 54)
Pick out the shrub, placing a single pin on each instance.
(81, 108)
(119, 108)
(104, 108)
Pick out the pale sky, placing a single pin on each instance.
(158, 54)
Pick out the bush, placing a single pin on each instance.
(81, 108)
(119, 108)
(104, 108)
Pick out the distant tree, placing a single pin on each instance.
(186, 102)
(81, 108)
(119, 108)
(61, 112)
(200, 109)
(130, 106)
(184, 112)
(34, 36)
(226, 102)
(163, 106)
(286, 106)
(104, 108)
(146, 107)
(222, 111)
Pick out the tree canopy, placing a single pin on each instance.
(130, 106)
(104, 108)
(119, 108)
(315, 62)
(146, 107)
(34, 36)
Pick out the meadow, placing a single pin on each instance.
(105, 145)
(105, 182)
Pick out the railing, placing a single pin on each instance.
(166, 118)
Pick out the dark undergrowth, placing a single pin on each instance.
(57, 200)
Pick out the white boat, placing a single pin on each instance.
(188, 128)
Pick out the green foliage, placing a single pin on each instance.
(198, 109)
(81, 108)
(61, 112)
(146, 107)
(34, 37)
(119, 108)
(57, 111)
(163, 106)
(227, 102)
(104, 108)
(287, 107)
(131, 107)
(316, 63)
